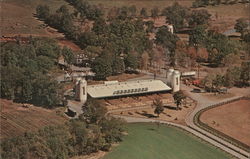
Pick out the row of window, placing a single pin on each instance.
(137, 90)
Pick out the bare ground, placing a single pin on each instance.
(232, 119)
(17, 119)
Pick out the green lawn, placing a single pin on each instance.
(146, 141)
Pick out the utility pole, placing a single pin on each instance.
(198, 65)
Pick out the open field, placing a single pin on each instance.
(141, 3)
(16, 119)
(227, 15)
(146, 141)
(232, 119)
(18, 17)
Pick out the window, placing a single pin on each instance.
(177, 82)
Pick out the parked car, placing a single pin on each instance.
(222, 90)
(197, 90)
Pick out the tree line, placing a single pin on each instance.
(235, 76)
(203, 3)
(93, 131)
(25, 71)
(120, 41)
(116, 44)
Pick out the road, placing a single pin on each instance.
(202, 102)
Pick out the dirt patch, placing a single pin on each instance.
(96, 155)
(232, 119)
(142, 108)
(120, 78)
(69, 44)
(17, 119)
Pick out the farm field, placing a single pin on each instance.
(232, 119)
(18, 17)
(16, 119)
(146, 141)
(141, 3)
(227, 15)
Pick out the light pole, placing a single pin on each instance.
(198, 66)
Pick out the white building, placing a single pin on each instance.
(113, 89)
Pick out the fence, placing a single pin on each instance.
(216, 132)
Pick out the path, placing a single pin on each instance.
(202, 102)
(130, 119)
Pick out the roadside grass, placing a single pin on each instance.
(147, 141)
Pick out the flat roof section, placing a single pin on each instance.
(126, 88)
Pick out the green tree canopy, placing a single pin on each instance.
(199, 17)
(176, 15)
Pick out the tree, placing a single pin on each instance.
(118, 66)
(68, 55)
(158, 105)
(112, 129)
(219, 81)
(199, 17)
(93, 112)
(102, 67)
(246, 36)
(232, 76)
(197, 36)
(27, 66)
(198, 3)
(155, 12)
(150, 26)
(245, 74)
(43, 11)
(46, 92)
(168, 41)
(219, 46)
(132, 10)
(241, 26)
(231, 60)
(99, 26)
(144, 13)
(131, 61)
(176, 15)
(178, 98)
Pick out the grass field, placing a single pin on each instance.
(146, 141)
